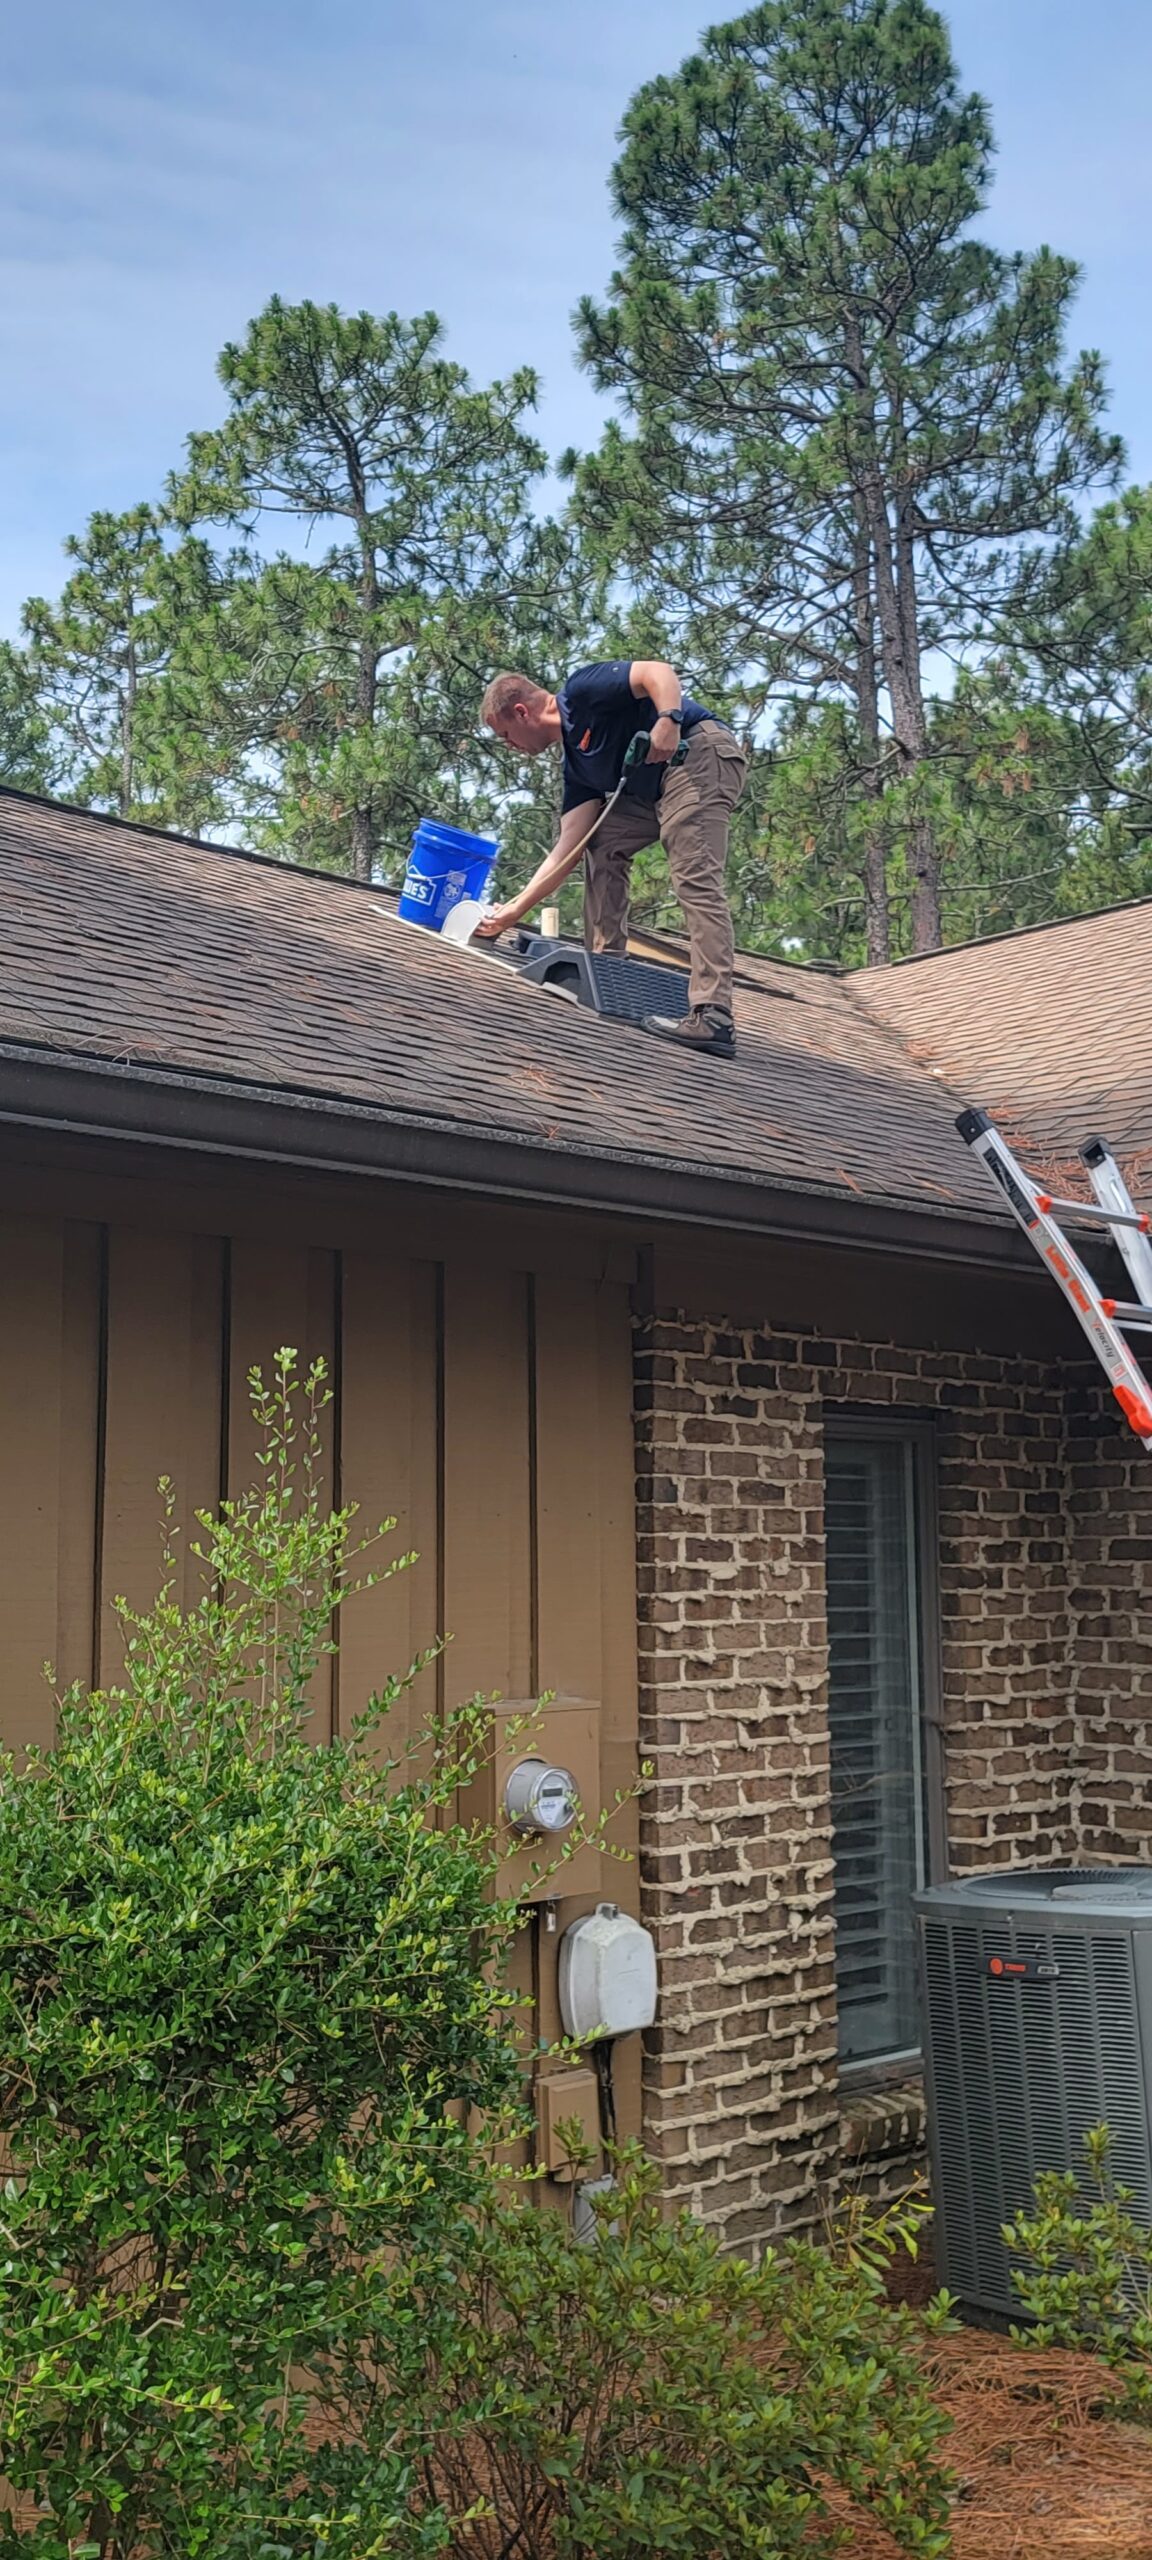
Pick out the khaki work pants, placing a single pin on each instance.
(691, 820)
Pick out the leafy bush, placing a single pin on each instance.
(1087, 2277)
(870, 2235)
(860, 2232)
(260, 2298)
(646, 2396)
(246, 1996)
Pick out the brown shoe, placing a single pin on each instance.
(707, 1027)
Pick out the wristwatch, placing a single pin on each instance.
(677, 716)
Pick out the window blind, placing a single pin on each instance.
(874, 1713)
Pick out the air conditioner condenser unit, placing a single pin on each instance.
(1036, 1995)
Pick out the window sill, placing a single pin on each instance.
(882, 2123)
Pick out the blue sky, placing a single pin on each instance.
(166, 167)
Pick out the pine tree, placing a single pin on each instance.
(347, 687)
(1003, 781)
(25, 751)
(1081, 639)
(843, 410)
(97, 662)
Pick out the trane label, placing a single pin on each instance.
(1022, 1969)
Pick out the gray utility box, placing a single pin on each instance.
(626, 989)
(1036, 1997)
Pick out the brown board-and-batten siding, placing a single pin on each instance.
(481, 1394)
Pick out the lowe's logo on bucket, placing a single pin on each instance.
(446, 865)
(418, 892)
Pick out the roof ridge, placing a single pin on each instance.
(199, 844)
(826, 969)
(1010, 933)
(676, 944)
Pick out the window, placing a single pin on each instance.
(875, 1630)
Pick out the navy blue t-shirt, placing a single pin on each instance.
(599, 717)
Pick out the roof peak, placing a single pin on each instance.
(672, 944)
(1010, 933)
(199, 844)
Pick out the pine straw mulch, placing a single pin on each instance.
(1046, 2470)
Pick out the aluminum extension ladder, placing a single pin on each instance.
(1105, 1320)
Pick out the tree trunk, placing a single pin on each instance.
(893, 554)
(128, 720)
(877, 926)
(367, 674)
(924, 868)
(902, 677)
(923, 854)
(363, 842)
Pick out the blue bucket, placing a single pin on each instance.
(445, 865)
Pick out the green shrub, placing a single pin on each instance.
(645, 2396)
(260, 2298)
(870, 2235)
(1086, 2280)
(861, 2232)
(246, 1997)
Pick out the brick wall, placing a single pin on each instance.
(1109, 1521)
(1042, 1626)
(740, 2100)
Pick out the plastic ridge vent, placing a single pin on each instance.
(604, 981)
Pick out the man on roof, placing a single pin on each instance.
(686, 807)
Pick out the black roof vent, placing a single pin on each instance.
(603, 980)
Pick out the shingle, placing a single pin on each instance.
(1049, 1030)
(117, 941)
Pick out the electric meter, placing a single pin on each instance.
(539, 1797)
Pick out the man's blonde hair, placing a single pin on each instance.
(505, 691)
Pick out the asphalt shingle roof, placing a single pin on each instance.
(125, 944)
(121, 943)
(1049, 1030)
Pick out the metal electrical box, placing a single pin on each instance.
(1036, 1993)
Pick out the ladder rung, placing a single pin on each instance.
(1122, 1312)
(1095, 1217)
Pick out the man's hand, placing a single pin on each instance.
(498, 920)
(663, 742)
(575, 827)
